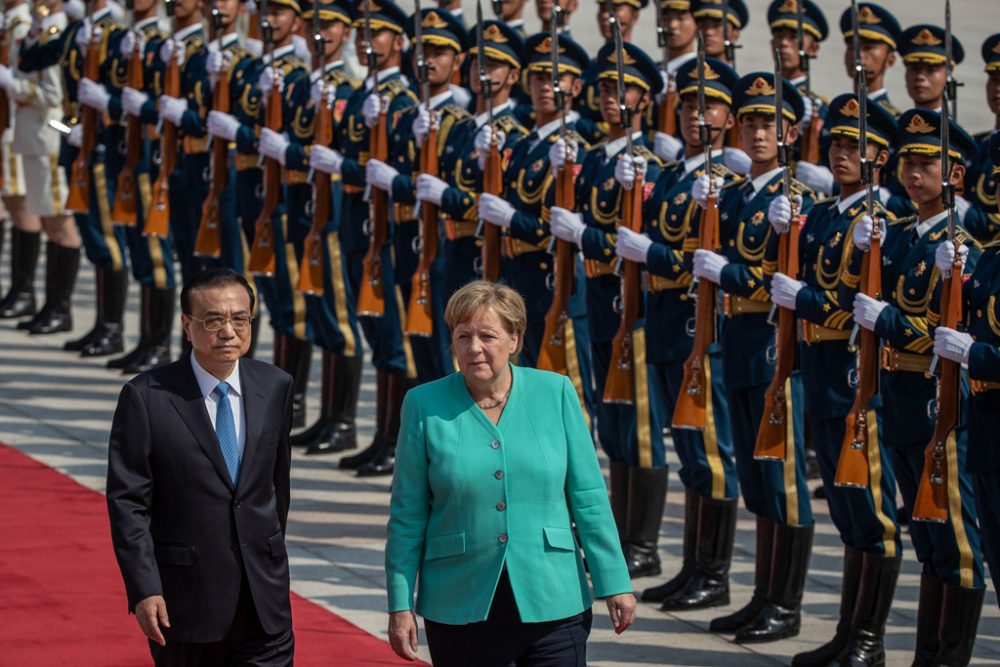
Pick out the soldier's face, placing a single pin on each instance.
(499, 73)
(876, 58)
(626, 16)
(441, 61)
(143, 6)
(510, 9)
(993, 92)
(715, 36)
(185, 8)
(635, 99)
(544, 10)
(386, 44)
(680, 28)
(786, 42)
(335, 34)
(922, 177)
(845, 159)
(717, 113)
(229, 10)
(758, 136)
(925, 82)
(283, 21)
(542, 98)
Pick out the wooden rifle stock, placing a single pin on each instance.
(78, 198)
(419, 313)
(852, 466)
(691, 409)
(208, 242)
(932, 492)
(666, 122)
(810, 142)
(552, 354)
(158, 219)
(371, 293)
(311, 266)
(262, 255)
(619, 386)
(776, 424)
(124, 211)
(493, 185)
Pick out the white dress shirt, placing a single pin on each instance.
(208, 382)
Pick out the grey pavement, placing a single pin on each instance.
(57, 408)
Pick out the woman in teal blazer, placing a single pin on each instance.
(494, 465)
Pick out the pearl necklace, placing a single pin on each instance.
(486, 405)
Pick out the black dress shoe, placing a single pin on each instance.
(337, 438)
(701, 592)
(109, 341)
(153, 357)
(17, 304)
(379, 466)
(642, 562)
(774, 622)
(80, 344)
(50, 320)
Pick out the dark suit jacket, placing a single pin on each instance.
(179, 528)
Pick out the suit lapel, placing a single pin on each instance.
(253, 409)
(190, 404)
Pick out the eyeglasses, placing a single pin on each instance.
(214, 323)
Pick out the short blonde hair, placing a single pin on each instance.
(481, 295)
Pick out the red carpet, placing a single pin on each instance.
(62, 601)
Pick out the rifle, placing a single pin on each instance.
(158, 221)
(552, 354)
(493, 173)
(775, 427)
(420, 313)
(810, 138)
(208, 242)
(619, 386)
(691, 409)
(931, 504)
(78, 198)
(666, 121)
(124, 210)
(311, 266)
(852, 466)
(371, 294)
(730, 52)
(5, 46)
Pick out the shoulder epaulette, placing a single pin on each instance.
(454, 110)
(649, 155)
(573, 135)
(292, 63)
(905, 220)
(992, 244)
(508, 123)
(394, 86)
(800, 188)
(963, 236)
(889, 106)
(736, 181)
(719, 168)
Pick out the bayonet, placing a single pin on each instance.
(951, 85)
(497, 9)
(779, 125)
(860, 76)
(625, 112)
(557, 91)
(418, 36)
(804, 57)
(727, 42)
(704, 127)
(370, 58)
(485, 83)
(661, 34)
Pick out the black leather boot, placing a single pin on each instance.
(281, 347)
(144, 329)
(114, 286)
(647, 495)
(866, 647)
(79, 344)
(849, 585)
(709, 585)
(692, 505)
(24, 250)
(385, 459)
(301, 360)
(618, 490)
(157, 353)
(326, 397)
(341, 434)
(928, 619)
(355, 461)
(781, 615)
(61, 266)
(960, 613)
(761, 581)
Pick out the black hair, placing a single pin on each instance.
(214, 277)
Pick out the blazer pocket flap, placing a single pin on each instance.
(276, 545)
(444, 546)
(175, 554)
(559, 538)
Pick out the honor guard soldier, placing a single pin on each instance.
(677, 31)
(977, 345)
(512, 13)
(39, 98)
(384, 95)
(880, 33)
(137, 47)
(774, 491)
(672, 226)
(599, 197)
(865, 516)
(334, 330)
(951, 582)
(456, 190)
(980, 181)
(721, 37)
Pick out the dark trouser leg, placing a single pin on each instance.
(825, 654)
(108, 338)
(647, 497)
(692, 503)
(355, 461)
(62, 265)
(877, 587)
(299, 360)
(928, 617)
(322, 423)
(24, 250)
(161, 327)
(709, 584)
(341, 432)
(145, 314)
(384, 460)
(761, 581)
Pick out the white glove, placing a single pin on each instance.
(302, 50)
(807, 112)
(317, 91)
(380, 175)
(273, 145)
(709, 265)
(785, 290)
(631, 246)
(169, 48)
(629, 168)
(567, 225)
(127, 46)
(93, 95)
(82, 37)
(222, 125)
(862, 234)
(495, 210)
(561, 152)
(325, 159)
(372, 109)
(75, 136)
(779, 212)
(944, 256)
(699, 191)
(7, 77)
(867, 310)
(483, 141)
(736, 160)
(666, 147)
(267, 81)
(251, 6)
(422, 124)
(430, 189)
(132, 101)
(817, 177)
(214, 65)
(952, 345)
(75, 9)
(171, 109)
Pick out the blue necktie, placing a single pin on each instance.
(225, 431)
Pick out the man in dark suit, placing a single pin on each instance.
(198, 490)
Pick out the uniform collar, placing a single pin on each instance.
(878, 94)
(844, 204)
(187, 32)
(497, 110)
(515, 24)
(762, 180)
(381, 76)
(675, 63)
(545, 130)
(279, 53)
(441, 99)
(327, 68)
(927, 225)
(208, 382)
(692, 163)
(228, 39)
(99, 14)
(613, 148)
(798, 80)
